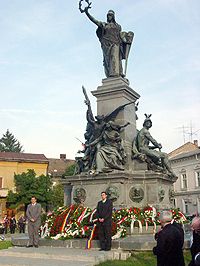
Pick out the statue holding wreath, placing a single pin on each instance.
(115, 44)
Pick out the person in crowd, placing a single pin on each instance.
(2, 225)
(33, 213)
(175, 224)
(179, 227)
(197, 259)
(195, 247)
(104, 213)
(169, 243)
(22, 224)
(13, 224)
(6, 223)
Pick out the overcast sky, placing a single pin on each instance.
(48, 50)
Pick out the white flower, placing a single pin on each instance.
(56, 237)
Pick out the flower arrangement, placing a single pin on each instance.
(178, 216)
(78, 221)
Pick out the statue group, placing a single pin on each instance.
(117, 158)
(104, 148)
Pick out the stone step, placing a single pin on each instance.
(131, 242)
(58, 255)
(19, 261)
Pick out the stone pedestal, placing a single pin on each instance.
(126, 189)
(136, 186)
(113, 93)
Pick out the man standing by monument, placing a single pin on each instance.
(169, 243)
(104, 213)
(33, 213)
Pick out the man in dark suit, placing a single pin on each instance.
(179, 227)
(169, 243)
(104, 214)
(195, 248)
(22, 224)
(6, 223)
(33, 213)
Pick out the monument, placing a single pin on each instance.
(117, 157)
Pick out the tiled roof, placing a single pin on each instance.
(25, 157)
(189, 146)
(185, 154)
(57, 166)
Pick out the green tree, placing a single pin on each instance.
(9, 143)
(69, 170)
(58, 195)
(28, 185)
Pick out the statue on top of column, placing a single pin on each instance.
(115, 44)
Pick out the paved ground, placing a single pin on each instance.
(57, 256)
(59, 253)
(54, 256)
(43, 256)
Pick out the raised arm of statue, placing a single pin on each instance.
(95, 21)
(89, 114)
(85, 10)
(121, 127)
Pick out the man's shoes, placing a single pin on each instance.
(101, 249)
(107, 249)
(29, 246)
(36, 246)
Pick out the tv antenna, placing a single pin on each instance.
(184, 131)
(191, 133)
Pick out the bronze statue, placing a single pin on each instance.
(104, 149)
(115, 44)
(113, 193)
(79, 195)
(136, 194)
(95, 131)
(110, 152)
(156, 160)
(161, 193)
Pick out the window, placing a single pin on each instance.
(186, 207)
(198, 178)
(198, 205)
(184, 180)
(197, 175)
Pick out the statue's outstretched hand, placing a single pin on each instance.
(85, 9)
(160, 146)
(87, 102)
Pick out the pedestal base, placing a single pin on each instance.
(124, 188)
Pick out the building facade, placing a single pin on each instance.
(16, 163)
(185, 162)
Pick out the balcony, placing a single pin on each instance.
(3, 192)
